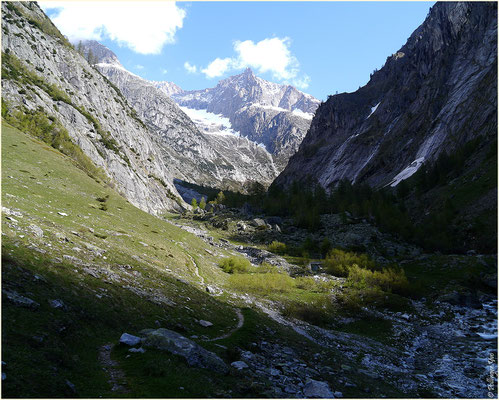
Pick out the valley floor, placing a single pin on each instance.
(81, 266)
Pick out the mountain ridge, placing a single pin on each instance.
(410, 109)
(272, 114)
(193, 156)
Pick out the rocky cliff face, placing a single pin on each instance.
(277, 116)
(436, 93)
(98, 118)
(211, 157)
(168, 88)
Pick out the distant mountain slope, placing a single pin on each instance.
(42, 73)
(214, 157)
(277, 116)
(168, 88)
(436, 93)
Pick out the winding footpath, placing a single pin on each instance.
(240, 323)
(196, 267)
(117, 378)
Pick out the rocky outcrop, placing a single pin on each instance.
(97, 117)
(207, 157)
(436, 93)
(195, 355)
(277, 116)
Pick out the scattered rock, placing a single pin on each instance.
(62, 213)
(239, 365)
(19, 300)
(258, 223)
(195, 355)
(204, 323)
(318, 390)
(135, 350)
(71, 386)
(129, 340)
(292, 389)
(56, 303)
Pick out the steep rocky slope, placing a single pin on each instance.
(274, 115)
(43, 72)
(166, 87)
(214, 157)
(436, 93)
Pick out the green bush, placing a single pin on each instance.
(194, 203)
(277, 247)
(238, 265)
(338, 262)
(265, 268)
(309, 284)
(202, 203)
(388, 280)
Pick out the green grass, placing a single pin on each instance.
(92, 321)
(100, 309)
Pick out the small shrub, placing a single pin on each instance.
(388, 280)
(266, 268)
(202, 203)
(220, 198)
(194, 203)
(309, 284)
(277, 247)
(238, 265)
(338, 262)
(102, 199)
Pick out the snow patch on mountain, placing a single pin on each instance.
(373, 109)
(208, 122)
(407, 172)
(302, 114)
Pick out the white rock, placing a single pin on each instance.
(130, 340)
(135, 350)
(239, 365)
(204, 323)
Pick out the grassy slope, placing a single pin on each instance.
(45, 347)
(40, 182)
(72, 337)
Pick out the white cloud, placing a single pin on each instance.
(164, 71)
(218, 67)
(301, 83)
(138, 66)
(191, 69)
(268, 55)
(145, 26)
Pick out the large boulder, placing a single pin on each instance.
(318, 390)
(258, 223)
(129, 340)
(173, 342)
(18, 300)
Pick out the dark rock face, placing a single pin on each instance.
(274, 115)
(436, 93)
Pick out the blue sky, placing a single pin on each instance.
(320, 47)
